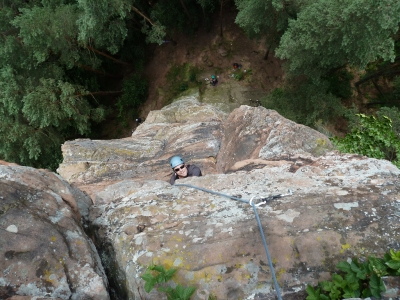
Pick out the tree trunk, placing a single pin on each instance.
(100, 93)
(109, 56)
(267, 53)
(98, 72)
(186, 11)
(220, 18)
(379, 73)
(378, 88)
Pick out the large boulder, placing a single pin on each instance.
(259, 133)
(187, 127)
(201, 133)
(342, 206)
(45, 252)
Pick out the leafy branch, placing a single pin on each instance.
(158, 276)
(373, 138)
(357, 279)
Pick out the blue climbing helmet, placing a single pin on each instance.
(212, 76)
(176, 161)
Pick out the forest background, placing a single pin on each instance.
(70, 67)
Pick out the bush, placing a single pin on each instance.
(358, 279)
(392, 113)
(305, 102)
(372, 137)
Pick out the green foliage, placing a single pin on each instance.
(266, 18)
(373, 138)
(393, 113)
(49, 73)
(328, 34)
(134, 93)
(154, 33)
(339, 83)
(358, 279)
(174, 15)
(305, 103)
(103, 23)
(238, 75)
(158, 276)
(180, 78)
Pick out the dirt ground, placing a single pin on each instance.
(212, 54)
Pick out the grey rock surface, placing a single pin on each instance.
(201, 133)
(343, 206)
(259, 133)
(187, 127)
(45, 252)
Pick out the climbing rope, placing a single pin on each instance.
(263, 201)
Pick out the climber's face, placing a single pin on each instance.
(181, 170)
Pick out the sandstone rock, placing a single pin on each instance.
(259, 133)
(343, 206)
(31, 298)
(45, 252)
(193, 130)
(187, 127)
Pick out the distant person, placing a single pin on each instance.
(181, 170)
(213, 80)
(139, 120)
(237, 66)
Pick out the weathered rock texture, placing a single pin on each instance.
(199, 132)
(255, 132)
(343, 205)
(44, 251)
(187, 127)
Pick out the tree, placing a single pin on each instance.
(329, 34)
(206, 5)
(305, 102)
(266, 18)
(40, 104)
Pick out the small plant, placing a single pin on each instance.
(239, 75)
(358, 279)
(158, 276)
(183, 87)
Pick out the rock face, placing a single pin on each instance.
(45, 252)
(255, 132)
(342, 205)
(187, 127)
(201, 133)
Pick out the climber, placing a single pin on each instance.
(237, 66)
(181, 170)
(213, 80)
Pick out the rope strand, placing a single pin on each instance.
(264, 200)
